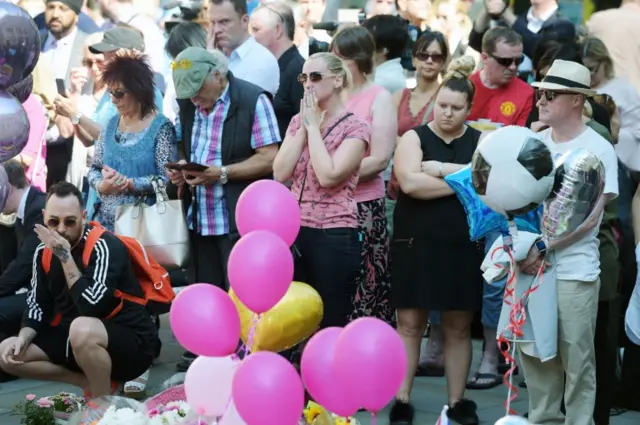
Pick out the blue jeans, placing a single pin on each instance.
(492, 297)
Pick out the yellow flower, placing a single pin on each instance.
(312, 412)
(183, 64)
(343, 421)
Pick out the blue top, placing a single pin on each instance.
(85, 23)
(140, 156)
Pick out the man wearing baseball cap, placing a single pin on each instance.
(234, 127)
(114, 40)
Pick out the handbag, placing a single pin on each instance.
(294, 248)
(161, 228)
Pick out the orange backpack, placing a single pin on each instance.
(153, 278)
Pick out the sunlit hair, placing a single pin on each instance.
(457, 77)
(355, 43)
(593, 48)
(132, 70)
(335, 65)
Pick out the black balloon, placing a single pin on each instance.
(19, 44)
(22, 89)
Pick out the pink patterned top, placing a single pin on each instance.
(360, 104)
(332, 207)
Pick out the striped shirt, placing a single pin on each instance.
(213, 215)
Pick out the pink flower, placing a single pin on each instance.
(44, 402)
(30, 397)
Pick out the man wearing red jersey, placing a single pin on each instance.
(500, 99)
(500, 96)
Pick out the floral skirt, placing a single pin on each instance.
(374, 280)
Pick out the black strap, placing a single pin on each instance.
(306, 169)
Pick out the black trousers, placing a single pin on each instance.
(11, 309)
(211, 257)
(606, 346)
(329, 261)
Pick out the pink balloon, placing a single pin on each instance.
(260, 270)
(269, 205)
(370, 362)
(205, 398)
(267, 390)
(318, 374)
(205, 321)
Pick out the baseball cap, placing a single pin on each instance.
(190, 69)
(119, 38)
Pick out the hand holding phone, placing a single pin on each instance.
(194, 167)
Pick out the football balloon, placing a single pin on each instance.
(512, 171)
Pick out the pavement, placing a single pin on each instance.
(429, 394)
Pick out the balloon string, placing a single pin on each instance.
(245, 349)
(374, 418)
(517, 318)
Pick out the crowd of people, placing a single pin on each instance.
(363, 124)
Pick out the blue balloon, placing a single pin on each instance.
(482, 219)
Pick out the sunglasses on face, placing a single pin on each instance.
(55, 222)
(117, 94)
(314, 77)
(549, 96)
(435, 57)
(90, 62)
(506, 62)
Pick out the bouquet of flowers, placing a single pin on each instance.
(45, 410)
(125, 415)
(314, 414)
(173, 413)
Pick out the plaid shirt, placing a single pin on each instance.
(213, 215)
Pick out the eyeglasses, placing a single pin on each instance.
(117, 94)
(548, 95)
(435, 57)
(506, 62)
(55, 222)
(314, 77)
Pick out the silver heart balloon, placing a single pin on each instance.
(579, 183)
(14, 127)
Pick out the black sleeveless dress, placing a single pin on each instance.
(434, 264)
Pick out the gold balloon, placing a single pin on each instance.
(296, 317)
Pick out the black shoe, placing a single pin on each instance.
(401, 413)
(464, 412)
(189, 356)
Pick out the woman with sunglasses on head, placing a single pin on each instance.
(373, 103)
(322, 152)
(436, 267)
(625, 122)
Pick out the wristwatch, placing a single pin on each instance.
(75, 120)
(224, 177)
(541, 246)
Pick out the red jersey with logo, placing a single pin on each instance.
(506, 105)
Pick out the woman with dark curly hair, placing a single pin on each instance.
(135, 145)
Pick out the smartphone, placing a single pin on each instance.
(62, 90)
(192, 166)
(173, 166)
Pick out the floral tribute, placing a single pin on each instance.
(45, 410)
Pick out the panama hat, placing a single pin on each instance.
(567, 76)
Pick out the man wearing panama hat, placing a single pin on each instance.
(561, 97)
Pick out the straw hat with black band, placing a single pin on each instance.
(567, 77)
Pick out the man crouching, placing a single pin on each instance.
(75, 328)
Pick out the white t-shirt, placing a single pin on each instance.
(581, 260)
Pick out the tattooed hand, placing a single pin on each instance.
(56, 243)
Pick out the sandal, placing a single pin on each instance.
(493, 380)
(137, 389)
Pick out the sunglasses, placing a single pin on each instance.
(435, 57)
(506, 62)
(55, 222)
(314, 77)
(90, 62)
(117, 94)
(549, 96)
